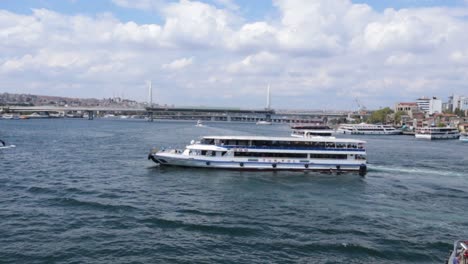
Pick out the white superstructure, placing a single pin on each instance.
(464, 137)
(437, 133)
(268, 153)
(199, 124)
(311, 130)
(263, 122)
(368, 129)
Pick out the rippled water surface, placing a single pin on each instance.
(79, 191)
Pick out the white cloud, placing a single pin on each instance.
(195, 24)
(313, 52)
(400, 59)
(178, 64)
(256, 63)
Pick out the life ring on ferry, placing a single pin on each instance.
(306, 166)
(241, 164)
(273, 165)
(208, 163)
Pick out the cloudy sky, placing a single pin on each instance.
(315, 54)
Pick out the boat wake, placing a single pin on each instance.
(406, 170)
(7, 147)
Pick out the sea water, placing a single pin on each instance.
(79, 191)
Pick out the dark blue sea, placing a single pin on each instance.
(79, 191)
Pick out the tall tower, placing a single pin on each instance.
(150, 94)
(268, 106)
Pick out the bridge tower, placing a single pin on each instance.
(268, 105)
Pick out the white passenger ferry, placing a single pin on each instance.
(368, 129)
(437, 133)
(268, 153)
(301, 131)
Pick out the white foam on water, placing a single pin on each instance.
(414, 170)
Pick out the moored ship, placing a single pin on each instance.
(368, 129)
(269, 153)
(311, 130)
(437, 133)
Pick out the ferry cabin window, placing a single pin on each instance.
(360, 157)
(328, 156)
(271, 155)
(208, 141)
(208, 153)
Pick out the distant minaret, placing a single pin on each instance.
(150, 94)
(268, 106)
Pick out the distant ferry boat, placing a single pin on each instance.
(10, 116)
(269, 153)
(368, 129)
(437, 133)
(262, 122)
(464, 137)
(199, 124)
(309, 130)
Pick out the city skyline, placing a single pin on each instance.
(314, 54)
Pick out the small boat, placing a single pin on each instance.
(199, 124)
(464, 137)
(109, 116)
(10, 116)
(437, 133)
(263, 122)
(3, 145)
(459, 253)
(326, 154)
(38, 116)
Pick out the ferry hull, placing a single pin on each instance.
(434, 137)
(323, 166)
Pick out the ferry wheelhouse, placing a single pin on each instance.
(268, 153)
(368, 129)
(437, 133)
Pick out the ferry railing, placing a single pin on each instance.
(291, 148)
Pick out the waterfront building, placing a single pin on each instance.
(407, 107)
(430, 105)
(457, 102)
(446, 119)
(463, 103)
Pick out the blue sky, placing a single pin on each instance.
(316, 54)
(251, 9)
